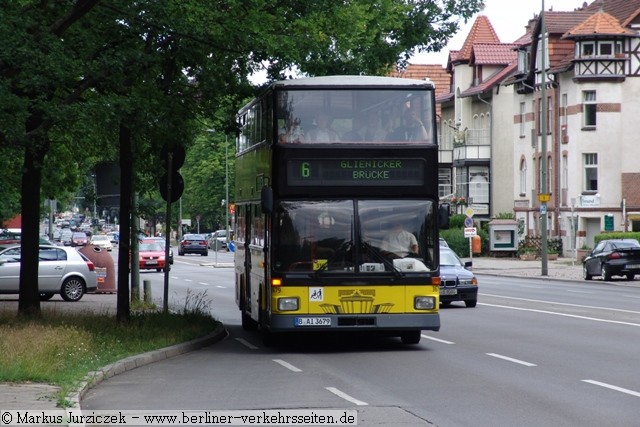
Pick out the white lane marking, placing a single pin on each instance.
(221, 287)
(595, 319)
(287, 365)
(613, 387)
(565, 304)
(436, 339)
(203, 283)
(188, 280)
(345, 396)
(580, 292)
(246, 343)
(510, 359)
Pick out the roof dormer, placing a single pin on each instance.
(601, 48)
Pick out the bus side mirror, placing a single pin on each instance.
(444, 211)
(266, 199)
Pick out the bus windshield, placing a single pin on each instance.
(330, 116)
(362, 236)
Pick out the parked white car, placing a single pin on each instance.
(103, 241)
(62, 270)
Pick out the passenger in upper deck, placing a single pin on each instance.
(412, 130)
(366, 128)
(323, 131)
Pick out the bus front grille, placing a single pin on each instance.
(356, 321)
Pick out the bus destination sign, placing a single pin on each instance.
(348, 172)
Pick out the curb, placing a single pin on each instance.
(218, 265)
(132, 362)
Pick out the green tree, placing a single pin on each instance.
(114, 79)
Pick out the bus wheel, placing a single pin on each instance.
(410, 337)
(248, 324)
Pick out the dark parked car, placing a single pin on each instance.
(65, 236)
(457, 282)
(193, 244)
(615, 257)
(61, 270)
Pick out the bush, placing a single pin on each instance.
(456, 221)
(460, 244)
(617, 235)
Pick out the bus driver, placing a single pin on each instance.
(400, 242)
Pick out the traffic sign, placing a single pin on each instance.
(470, 231)
(544, 197)
(468, 222)
(469, 211)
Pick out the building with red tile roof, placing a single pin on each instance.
(490, 140)
(590, 110)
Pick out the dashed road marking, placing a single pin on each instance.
(345, 396)
(246, 343)
(437, 339)
(287, 365)
(510, 359)
(613, 387)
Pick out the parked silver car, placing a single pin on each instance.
(218, 240)
(62, 270)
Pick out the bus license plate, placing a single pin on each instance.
(313, 321)
(448, 291)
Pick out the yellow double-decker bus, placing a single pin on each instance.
(337, 211)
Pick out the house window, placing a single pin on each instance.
(565, 173)
(589, 108)
(522, 113)
(534, 126)
(549, 174)
(461, 182)
(549, 115)
(588, 49)
(444, 182)
(523, 61)
(539, 117)
(606, 48)
(565, 103)
(609, 48)
(479, 184)
(590, 171)
(523, 177)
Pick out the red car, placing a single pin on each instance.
(151, 256)
(79, 239)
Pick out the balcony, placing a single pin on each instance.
(474, 145)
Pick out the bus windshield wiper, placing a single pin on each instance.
(342, 249)
(386, 261)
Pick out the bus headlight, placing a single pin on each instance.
(424, 303)
(288, 304)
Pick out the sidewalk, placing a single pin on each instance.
(43, 397)
(561, 269)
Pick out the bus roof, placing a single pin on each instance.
(352, 81)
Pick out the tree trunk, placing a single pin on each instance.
(29, 297)
(124, 250)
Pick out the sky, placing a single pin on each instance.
(508, 17)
